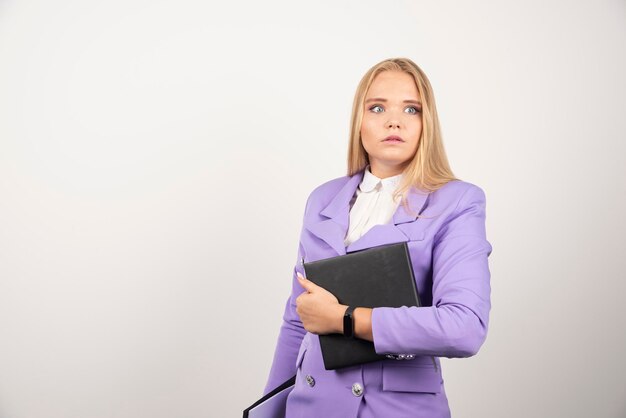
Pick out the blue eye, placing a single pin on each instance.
(374, 107)
(415, 111)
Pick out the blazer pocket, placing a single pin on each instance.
(418, 378)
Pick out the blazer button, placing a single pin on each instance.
(309, 380)
(357, 389)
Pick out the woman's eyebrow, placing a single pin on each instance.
(380, 99)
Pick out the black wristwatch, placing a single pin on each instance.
(348, 322)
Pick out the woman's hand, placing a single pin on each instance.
(319, 310)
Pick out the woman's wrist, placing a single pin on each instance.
(338, 318)
(362, 322)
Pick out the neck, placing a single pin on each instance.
(383, 171)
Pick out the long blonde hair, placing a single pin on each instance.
(429, 169)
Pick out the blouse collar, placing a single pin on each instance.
(370, 181)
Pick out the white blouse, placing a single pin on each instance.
(372, 204)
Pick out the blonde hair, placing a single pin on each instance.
(429, 169)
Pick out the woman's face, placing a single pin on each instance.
(392, 107)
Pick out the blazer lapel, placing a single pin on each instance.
(334, 228)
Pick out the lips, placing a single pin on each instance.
(393, 138)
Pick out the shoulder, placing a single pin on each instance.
(330, 187)
(457, 193)
(323, 193)
(460, 211)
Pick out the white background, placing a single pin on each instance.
(155, 159)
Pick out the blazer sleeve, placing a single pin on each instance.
(456, 323)
(291, 330)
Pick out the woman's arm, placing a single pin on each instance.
(456, 324)
(333, 322)
(291, 330)
(289, 339)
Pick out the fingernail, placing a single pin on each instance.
(299, 275)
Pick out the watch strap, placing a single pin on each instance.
(348, 322)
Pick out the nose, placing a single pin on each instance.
(393, 124)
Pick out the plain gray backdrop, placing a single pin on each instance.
(156, 156)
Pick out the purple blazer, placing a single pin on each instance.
(449, 252)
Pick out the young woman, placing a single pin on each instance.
(399, 187)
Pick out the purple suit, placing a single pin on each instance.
(449, 252)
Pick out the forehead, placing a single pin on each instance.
(392, 84)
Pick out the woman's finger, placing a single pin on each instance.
(306, 283)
